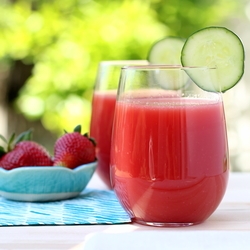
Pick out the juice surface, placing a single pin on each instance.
(103, 106)
(170, 159)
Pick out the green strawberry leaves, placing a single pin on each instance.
(78, 129)
(13, 140)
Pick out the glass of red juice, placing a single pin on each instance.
(103, 105)
(169, 153)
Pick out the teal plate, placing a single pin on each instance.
(45, 183)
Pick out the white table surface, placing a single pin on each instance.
(230, 223)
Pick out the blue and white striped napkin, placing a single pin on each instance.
(90, 207)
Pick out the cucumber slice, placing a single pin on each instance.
(214, 47)
(168, 52)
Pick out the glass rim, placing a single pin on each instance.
(164, 66)
(123, 62)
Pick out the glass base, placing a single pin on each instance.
(165, 224)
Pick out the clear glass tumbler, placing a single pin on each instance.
(103, 105)
(169, 153)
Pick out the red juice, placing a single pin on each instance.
(169, 162)
(103, 106)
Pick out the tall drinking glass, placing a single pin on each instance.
(103, 105)
(169, 154)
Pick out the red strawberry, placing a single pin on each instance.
(74, 149)
(24, 153)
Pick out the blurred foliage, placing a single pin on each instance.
(65, 40)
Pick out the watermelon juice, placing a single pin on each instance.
(103, 106)
(169, 162)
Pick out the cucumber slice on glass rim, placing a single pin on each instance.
(218, 48)
(167, 51)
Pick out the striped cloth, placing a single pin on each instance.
(90, 207)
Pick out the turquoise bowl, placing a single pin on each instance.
(39, 184)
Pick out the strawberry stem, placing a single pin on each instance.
(3, 138)
(9, 143)
(93, 141)
(2, 151)
(78, 129)
(25, 136)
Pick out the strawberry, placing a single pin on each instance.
(74, 149)
(23, 152)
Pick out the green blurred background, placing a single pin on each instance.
(50, 50)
